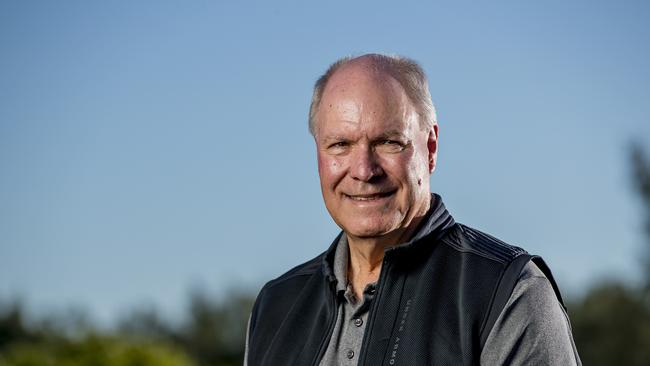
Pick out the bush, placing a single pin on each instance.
(94, 350)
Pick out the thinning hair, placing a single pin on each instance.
(407, 73)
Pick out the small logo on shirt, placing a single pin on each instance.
(402, 322)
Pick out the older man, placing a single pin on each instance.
(403, 284)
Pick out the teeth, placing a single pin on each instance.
(365, 198)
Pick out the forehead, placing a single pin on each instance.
(363, 81)
(361, 98)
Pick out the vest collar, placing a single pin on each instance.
(436, 221)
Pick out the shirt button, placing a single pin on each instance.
(358, 322)
(350, 354)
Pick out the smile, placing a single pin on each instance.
(368, 197)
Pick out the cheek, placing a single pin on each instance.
(330, 169)
(400, 165)
(420, 162)
(409, 169)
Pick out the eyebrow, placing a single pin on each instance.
(391, 134)
(335, 138)
(384, 135)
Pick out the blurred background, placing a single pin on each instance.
(156, 169)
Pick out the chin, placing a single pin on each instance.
(368, 229)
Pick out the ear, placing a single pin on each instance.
(432, 145)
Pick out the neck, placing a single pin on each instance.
(367, 254)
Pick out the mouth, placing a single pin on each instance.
(369, 197)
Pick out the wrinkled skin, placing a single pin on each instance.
(374, 158)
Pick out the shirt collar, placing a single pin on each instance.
(341, 258)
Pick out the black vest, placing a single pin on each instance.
(437, 298)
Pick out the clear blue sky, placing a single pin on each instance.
(147, 147)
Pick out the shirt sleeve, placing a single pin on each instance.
(533, 328)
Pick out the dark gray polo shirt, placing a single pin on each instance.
(352, 314)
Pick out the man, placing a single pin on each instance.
(403, 284)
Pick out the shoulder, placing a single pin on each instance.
(533, 327)
(307, 268)
(289, 284)
(314, 267)
(533, 291)
(465, 239)
(279, 296)
(491, 262)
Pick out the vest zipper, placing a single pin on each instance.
(330, 329)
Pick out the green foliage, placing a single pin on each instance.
(213, 331)
(94, 351)
(12, 325)
(212, 334)
(611, 326)
(212, 323)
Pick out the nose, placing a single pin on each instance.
(365, 165)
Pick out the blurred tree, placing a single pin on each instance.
(212, 334)
(611, 324)
(93, 351)
(641, 180)
(12, 325)
(215, 331)
(146, 323)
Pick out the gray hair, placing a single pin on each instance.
(407, 73)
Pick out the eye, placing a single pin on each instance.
(390, 142)
(390, 146)
(338, 147)
(338, 144)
